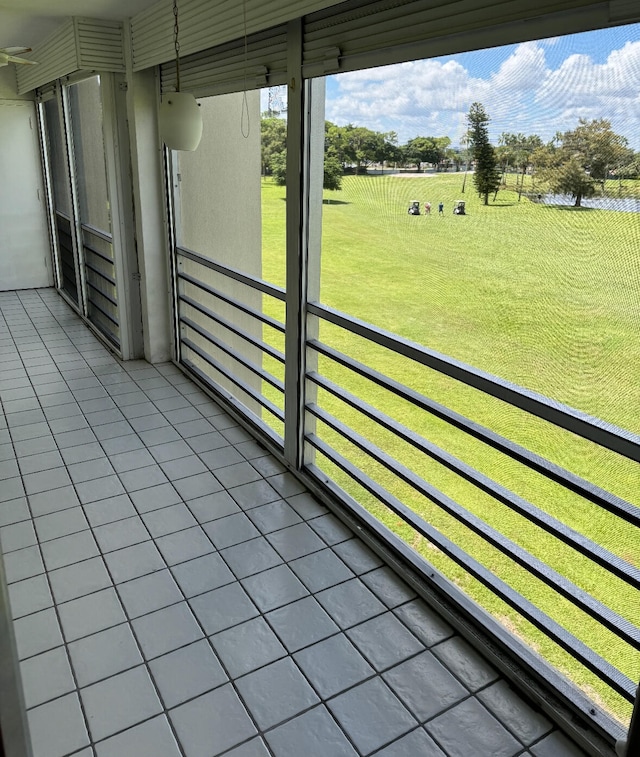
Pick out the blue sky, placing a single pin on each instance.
(537, 87)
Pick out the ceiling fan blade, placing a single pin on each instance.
(15, 50)
(23, 61)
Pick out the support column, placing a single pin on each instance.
(150, 214)
(305, 173)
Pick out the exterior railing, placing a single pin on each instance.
(382, 458)
(217, 304)
(203, 338)
(66, 258)
(100, 276)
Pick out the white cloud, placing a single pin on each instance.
(580, 88)
(418, 97)
(522, 71)
(432, 97)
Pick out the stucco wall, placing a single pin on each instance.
(8, 85)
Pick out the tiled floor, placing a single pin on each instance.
(175, 592)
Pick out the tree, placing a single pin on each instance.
(441, 145)
(279, 168)
(596, 147)
(505, 154)
(486, 176)
(273, 141)
(362, 146)
(517, 150)
(570, 178)
(334, 143)
(577, 161)
(465, 151)
(332, 178)
(332, 173)
(630, 169)
(391, 152)
(419, 150)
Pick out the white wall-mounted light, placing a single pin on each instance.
(180, 117)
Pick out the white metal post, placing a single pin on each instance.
(297, 197)
(116, 149)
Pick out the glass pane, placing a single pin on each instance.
(85, 104)
(57, 158)
(61, 198)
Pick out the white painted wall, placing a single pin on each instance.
(9, 85)
(25, 257)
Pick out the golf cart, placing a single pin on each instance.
(414, 208)
(458, 208)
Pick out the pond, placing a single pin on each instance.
(625, 204)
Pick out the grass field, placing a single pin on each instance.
(546, 297)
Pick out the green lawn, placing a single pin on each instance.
(548, 298)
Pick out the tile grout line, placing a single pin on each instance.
(57, 614)
(376, 674)
(145, 662)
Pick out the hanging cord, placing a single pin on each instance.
(176, 43)
(245, 121)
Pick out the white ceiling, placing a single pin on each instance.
(28, 22)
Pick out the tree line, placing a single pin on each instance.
(354, 149)
(575, 162)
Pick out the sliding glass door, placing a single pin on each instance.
(66, 262)
(85, 139)
(95, 238)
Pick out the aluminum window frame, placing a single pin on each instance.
(121, 237)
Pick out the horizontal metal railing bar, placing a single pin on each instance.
(108, 297)
(104, 333)
(556, 473)
(231, 301)
(97, 232)
(238, 410)
(602, 433)
(603, 557)
(212, 339)
(604, 615)
(509, 653)
(619, 682)
(97, 253)
(70, 284)
(71, 292)
(67, 269)
(108, 316)
(98, 272)
(63, 215)
(63, 236)
(249, 390)
(266, 348)
(244, 278)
